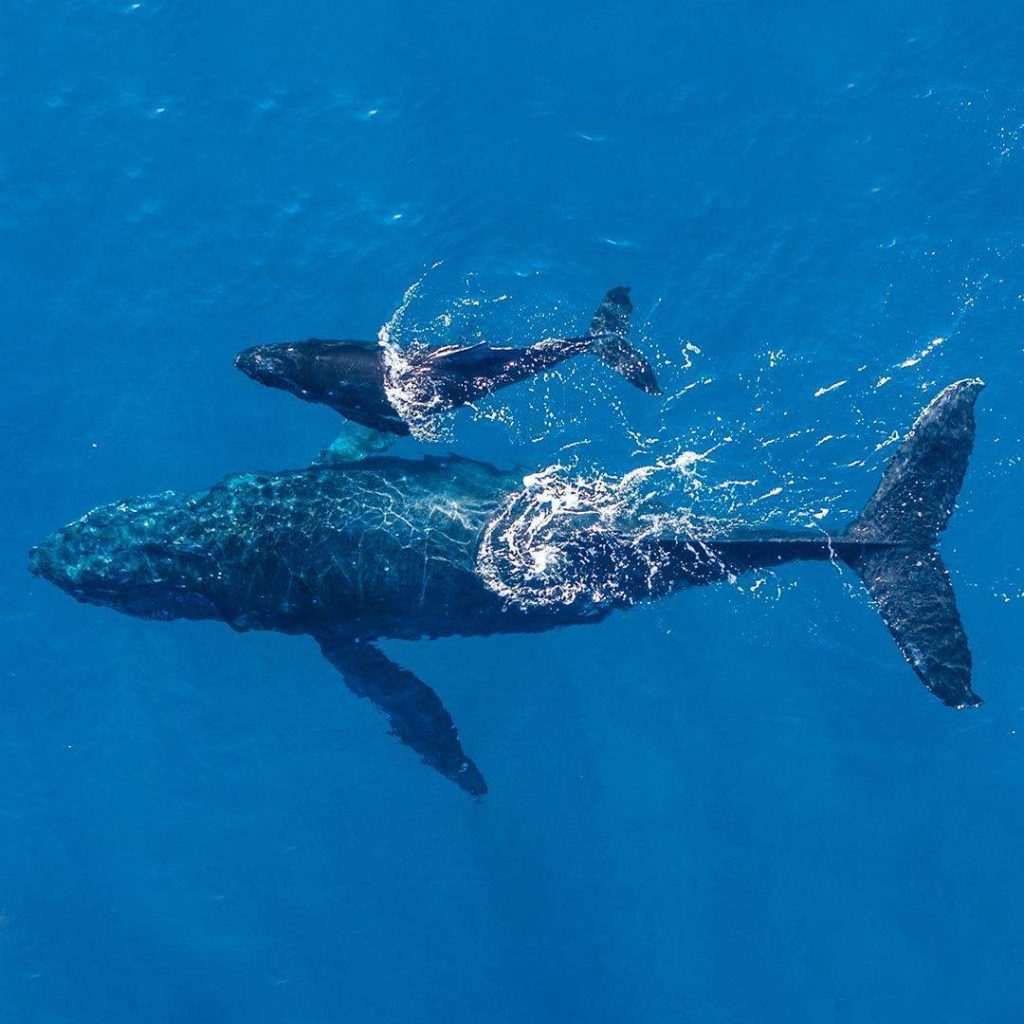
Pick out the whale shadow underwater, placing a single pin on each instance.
(386, 388)
(351, 553)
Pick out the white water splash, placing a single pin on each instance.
(411, 392)
(927, 350)
(831, 387)
(542, 406)
(590, 541)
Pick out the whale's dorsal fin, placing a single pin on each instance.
(355, 442)
(415, 713)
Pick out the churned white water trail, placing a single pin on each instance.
(585, 540)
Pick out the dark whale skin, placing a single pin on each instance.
(354, 377)
(384, 547)
(392, 548)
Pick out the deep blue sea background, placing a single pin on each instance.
(731, 806)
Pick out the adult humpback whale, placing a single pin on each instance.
(390, 547)
(386, 388)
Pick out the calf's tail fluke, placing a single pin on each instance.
(608, 329)
(892, 544)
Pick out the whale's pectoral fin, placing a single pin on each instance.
(355, 442)
(415, 713)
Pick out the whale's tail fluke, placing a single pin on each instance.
(608, 329)
(891, 545)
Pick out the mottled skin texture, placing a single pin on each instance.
(389, 547)
(380, 548)
(383, 548)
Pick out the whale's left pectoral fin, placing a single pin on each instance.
(415, 713)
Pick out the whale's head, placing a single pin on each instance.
(138, 556)
(288, 366)
(348, 376)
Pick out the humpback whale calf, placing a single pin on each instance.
(394, 548)
(386, 388)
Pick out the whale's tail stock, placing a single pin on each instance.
(892, 544)
(607, 333)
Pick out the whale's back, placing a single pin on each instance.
(382, 547)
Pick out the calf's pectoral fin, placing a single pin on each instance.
(415, 713)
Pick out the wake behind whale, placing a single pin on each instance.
(354, 552)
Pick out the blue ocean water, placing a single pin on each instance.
(734, 805)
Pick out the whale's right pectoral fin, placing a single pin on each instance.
(415, 713)
(353, 443)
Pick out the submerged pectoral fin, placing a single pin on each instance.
(353, 443)
(415, 713)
